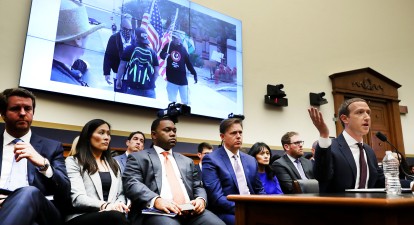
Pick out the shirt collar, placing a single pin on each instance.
(349, 140)
(160, 150)
(230, 154)
(7, 138)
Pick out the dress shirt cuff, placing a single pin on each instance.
(48, 173)
(324, 142)
(152, 202)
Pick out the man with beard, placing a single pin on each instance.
(31, 166)
(292, 165)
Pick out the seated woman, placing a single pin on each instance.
(96, 192)
(262, 153)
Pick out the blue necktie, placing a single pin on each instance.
(300, 169)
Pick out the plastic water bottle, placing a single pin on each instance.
(392, 180)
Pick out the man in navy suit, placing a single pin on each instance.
(346, 162)
(153, 176)
(292, 165)
(220, 171)
(134, 143)
(40, 163)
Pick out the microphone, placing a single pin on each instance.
(403, 162)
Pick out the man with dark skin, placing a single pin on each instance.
(160, 178)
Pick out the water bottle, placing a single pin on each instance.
(392, 180)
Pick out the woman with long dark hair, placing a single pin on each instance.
(261, 152)
(96, 192)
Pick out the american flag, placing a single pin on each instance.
(151, 21)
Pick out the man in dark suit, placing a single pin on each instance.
(162, 179)
(134, 143)
(116, 45)
(203, 149)
(346, 162)
(227, 171)
(292, 165)
(39, 161)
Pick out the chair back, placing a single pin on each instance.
(305, 186)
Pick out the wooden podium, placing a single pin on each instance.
(320, 209)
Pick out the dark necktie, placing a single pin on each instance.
(362, 167)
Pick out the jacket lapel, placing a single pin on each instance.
(96, 180)
(113, 191)
(37, 145)
(227, 163)
(292, 167)
(346, 152)
(156, 167)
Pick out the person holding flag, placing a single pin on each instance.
(177, 60)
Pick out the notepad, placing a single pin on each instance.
(152, 211)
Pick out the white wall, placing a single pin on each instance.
(295, 42)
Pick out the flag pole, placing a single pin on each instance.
(175, 19)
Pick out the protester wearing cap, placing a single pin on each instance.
(141, 55)
(177, 59)
(116, 45)
(71, 36)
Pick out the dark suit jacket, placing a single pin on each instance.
(335, 167)
(59, 184)
(122, 161)
(220, 180)
(199, 172)
(286, 172)
(142, 178)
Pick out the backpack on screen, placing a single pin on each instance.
(139, 69)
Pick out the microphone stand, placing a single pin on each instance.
(402, 160)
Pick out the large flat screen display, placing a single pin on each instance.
(77, 47)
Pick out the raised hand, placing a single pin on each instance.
(317, 119)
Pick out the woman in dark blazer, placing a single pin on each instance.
(96, 192)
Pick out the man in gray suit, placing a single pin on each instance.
(292, 166)
(147, 185)
(134, 143)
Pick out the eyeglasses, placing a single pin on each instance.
(298, 142)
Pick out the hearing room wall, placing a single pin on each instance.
(295, 42)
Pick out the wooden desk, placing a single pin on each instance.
(320, 209)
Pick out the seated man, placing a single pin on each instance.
(203, 149)
(292, 166)
(162, 179)
(228, 171)
(31, 167)
(134, 143)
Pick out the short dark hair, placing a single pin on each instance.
(344, 108)
(225, 124)
(136, 132)
(21, 92)
(286, 137)
(157, 121)
(203, 145)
